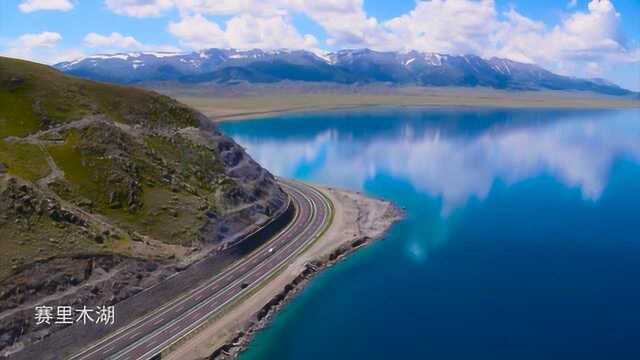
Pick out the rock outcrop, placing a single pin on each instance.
(107, 190)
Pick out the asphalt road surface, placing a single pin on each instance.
(150, 335)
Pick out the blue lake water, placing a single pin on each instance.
(521, 240)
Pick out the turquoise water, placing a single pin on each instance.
(521, 241)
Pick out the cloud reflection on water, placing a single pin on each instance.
(455, 168)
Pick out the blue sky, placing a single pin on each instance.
(585, 38)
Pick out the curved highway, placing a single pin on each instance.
(148, 336)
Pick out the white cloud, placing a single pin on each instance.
(593, 69)
(446, 26)
(43, 39)
(139, 8)
(247, 31)
(196, 32)
(346, 23)
(581, 39)
(458, 168)
(116, 40)
(55, 55)
(475, 27)
(45, 47)
(244, 31)
(28, 6)
(233, 7)
(40, 47)
(454, 27)
(588, 35)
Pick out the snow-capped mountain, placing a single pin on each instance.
(344, 66)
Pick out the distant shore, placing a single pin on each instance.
(241, 102)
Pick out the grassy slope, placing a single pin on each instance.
(24, 160)
(152, 182)
(33, 96)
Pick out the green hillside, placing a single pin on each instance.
(91, 168)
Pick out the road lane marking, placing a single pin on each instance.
(106, 350)
(283, 236)
(139, 322)
(316, 233)
(226, 290)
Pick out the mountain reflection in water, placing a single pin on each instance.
(520, 239)
(451, 154)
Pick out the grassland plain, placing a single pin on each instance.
(244, 101)
(105, 190)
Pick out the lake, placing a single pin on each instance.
(521, 238)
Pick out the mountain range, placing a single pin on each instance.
(362, 66)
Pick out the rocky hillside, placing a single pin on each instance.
(97, 177)
(362, 66)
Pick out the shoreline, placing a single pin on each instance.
(276, 112)
(223, 106)
(358, 221)
(311, 110)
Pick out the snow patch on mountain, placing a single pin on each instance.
(343, 66)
